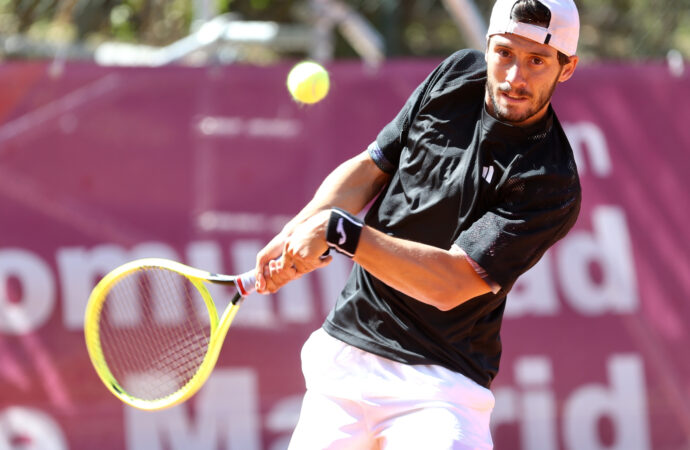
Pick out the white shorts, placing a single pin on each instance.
(358, 400)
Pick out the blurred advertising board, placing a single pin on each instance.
(99, 166)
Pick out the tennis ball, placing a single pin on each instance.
(308, 82)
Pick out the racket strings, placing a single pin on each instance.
(154, 332)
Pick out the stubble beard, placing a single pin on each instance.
(504, 114)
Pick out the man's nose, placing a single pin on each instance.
(515, 76)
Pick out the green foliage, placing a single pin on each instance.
(633, 29)
(611, 30)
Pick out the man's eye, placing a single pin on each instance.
(537, 61)
(503, 53)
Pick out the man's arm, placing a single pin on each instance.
(441, 278)
(351, 186)
(438, 277)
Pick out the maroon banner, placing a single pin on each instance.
(99, 166)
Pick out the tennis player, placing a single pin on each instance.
(473, 181)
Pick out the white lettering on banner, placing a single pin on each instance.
(35, 293)
(532, 404)
(226, 413)
(241, 222)
(534, 293)
(29, 428)
(624, 403)
(282, 418)
(588, 136)
(79, 269)
(534, 375)
(607, 247)
(612, 289)
(254, 127)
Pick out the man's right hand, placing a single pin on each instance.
(270, 275)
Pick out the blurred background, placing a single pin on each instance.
(622, 30)
(140, 128)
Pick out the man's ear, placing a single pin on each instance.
(568, 69)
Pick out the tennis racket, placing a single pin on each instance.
(152, 330)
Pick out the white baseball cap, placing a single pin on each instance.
(561, 34)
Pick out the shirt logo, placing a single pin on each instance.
(488, 173)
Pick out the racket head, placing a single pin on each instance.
(149, 329)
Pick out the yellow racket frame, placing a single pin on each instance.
(219, 329)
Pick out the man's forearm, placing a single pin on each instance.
(441, 278)
(351, 186)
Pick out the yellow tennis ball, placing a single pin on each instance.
(308, 82)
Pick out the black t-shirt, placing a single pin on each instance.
(503, 194)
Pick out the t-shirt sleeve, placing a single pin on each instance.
(512, 236)
(460, 67)
(386, 149)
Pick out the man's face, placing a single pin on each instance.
(522, 75)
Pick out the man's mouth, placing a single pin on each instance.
(512, 97)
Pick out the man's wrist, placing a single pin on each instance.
(343, 232)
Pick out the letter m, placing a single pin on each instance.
(226, 416)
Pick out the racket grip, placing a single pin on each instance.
(246, 283)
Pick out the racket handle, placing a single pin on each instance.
(246, 283)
